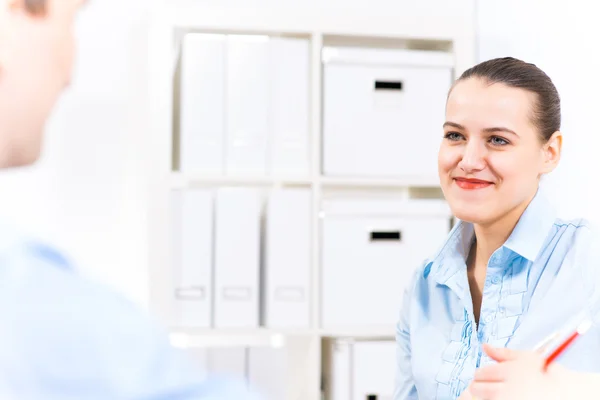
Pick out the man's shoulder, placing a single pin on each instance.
(63, 326)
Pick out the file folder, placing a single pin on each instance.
(287, 259)
(228, 362)
(247, 104)
(340, 374)
(193, 252)
(289, 106)
(237, 257)
(202, 104)
(267, 369)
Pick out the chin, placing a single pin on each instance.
(476, 214)
(23, 157)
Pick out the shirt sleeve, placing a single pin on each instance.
(66, 337)
(585, 256)
(405, 388)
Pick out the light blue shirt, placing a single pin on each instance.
(544, 274)
(65, 337)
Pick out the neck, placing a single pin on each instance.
(490, 237)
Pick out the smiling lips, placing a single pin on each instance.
(472, 184)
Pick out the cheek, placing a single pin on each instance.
(515, 168)
(448, 158)
(65, 50)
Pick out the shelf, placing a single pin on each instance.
(184, 180)
(265, 337)
(386, 183)
(377, 332)
(181, 180)
(261, 337)
(303, 20)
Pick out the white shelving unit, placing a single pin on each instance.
(436, 25)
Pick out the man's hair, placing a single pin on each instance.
(36, 6)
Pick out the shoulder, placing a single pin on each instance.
(580, 239)
(579, 235)
(579, 225)
(59, 327)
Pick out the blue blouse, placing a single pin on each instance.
(545, 272)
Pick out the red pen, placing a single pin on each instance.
(581, 329)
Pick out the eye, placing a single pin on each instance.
(453, 136)
(498, 141)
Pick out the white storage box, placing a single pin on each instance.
(370, 252)
(384, 111)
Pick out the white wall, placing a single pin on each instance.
(558, 36)
(87, 192)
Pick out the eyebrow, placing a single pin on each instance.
(489, 130)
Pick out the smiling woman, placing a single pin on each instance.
(498, 276)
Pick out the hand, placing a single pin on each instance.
(466, 395)
(518, 375)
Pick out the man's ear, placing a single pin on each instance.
(552, 150)
(37, 7)
(33, 7)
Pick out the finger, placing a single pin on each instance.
(466, 395)
(500, 354)
(487, 390)
(491, 373)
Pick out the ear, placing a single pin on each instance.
(30, 7)
(551, 152)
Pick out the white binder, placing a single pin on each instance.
(237, 257)
(202, 103)
(247, 100)
(227, 361)
(267, 368)
(199, 359)
(287, 259)
(340, 375)
(192, 223)
(289, 106)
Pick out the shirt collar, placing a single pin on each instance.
(530, 233)
(451, 258)
(526, 239)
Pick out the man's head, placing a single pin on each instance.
(36, 57)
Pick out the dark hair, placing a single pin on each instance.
(519, 74)
(36, 7)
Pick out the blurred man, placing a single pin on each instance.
(63, 337)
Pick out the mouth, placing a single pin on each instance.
(472, 184)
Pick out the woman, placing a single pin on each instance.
(510, 272)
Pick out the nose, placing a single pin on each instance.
(473, 158)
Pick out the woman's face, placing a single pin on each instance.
(491, 156)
